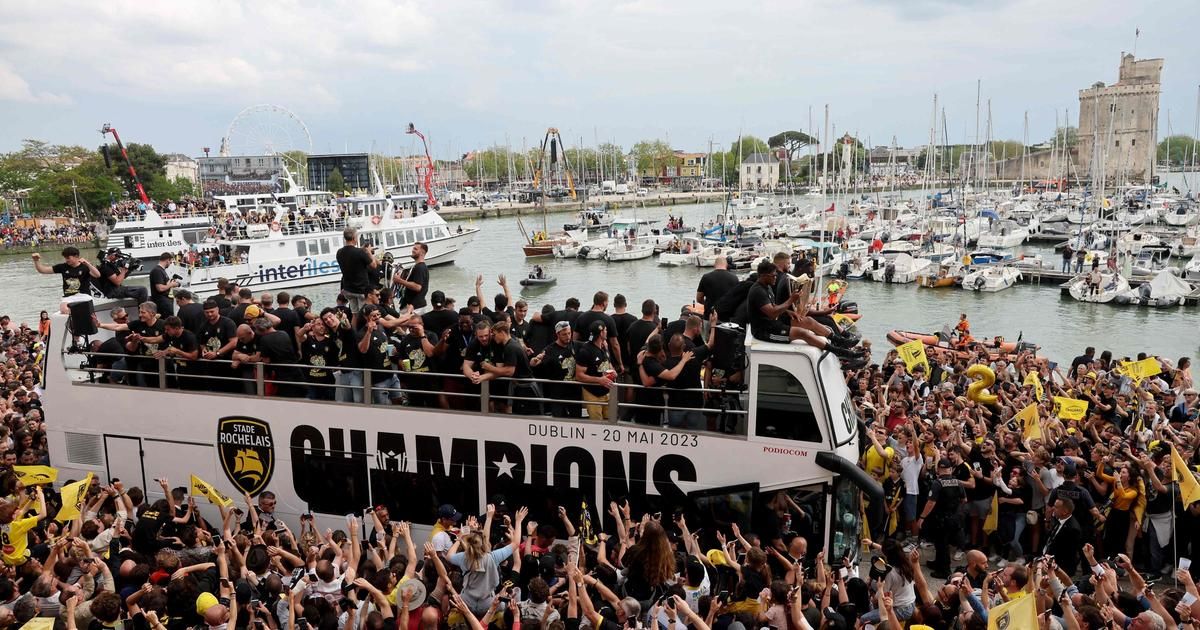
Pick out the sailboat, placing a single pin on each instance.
(542, 243)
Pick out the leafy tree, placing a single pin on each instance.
(336, 183)
(1069, 134)
(148, 163)
(1183, 149)
(748, 146)
(1006, 149)
(94, 184)
(297, 163)
(652, 157)
(792, 141)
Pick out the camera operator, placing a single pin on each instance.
(161, 285)
(77, 273)
(114, 268)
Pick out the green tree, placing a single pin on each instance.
(93, 183)
(652, 157)
(297, 163)
(791, 141)
(1069, 134)
(1006, 149)
(336, 183)
(1183, 150)
(738, 150)
(148, 163)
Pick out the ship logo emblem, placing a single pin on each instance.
(247, 452)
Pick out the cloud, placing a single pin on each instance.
(15, 88)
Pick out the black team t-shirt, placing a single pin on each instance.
(321, 355)
(147, 330)
(279, 349)
(158, 276)
(192, 315)
(354, 263)
(583, 324)
(438, 320)
(759, 297)
(186, 341)
(512, 354)
(419, 274)
(376, 357)
(635, 338)
(595, 362)
(714, 285)
(75, 279)
(689, 377)
(212, 337)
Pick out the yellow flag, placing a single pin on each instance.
(36, 475)
(201, 488)
(1070, 408)
(73, 496)
(1139, 370)
(1033, 379)
(992, 522)
(1031, 428)
(843, 320)
(1017, 613)
(39, 623)
(1189, 489)
(913, 354)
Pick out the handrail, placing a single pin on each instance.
(164, 371)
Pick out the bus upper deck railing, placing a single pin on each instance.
(355, 386)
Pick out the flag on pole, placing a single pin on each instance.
(1189, 489)
(1016, 613)
(73, 495)
(36, 475)
(1031, 427)
(1070, 408)
(913, 354)
(201, 488)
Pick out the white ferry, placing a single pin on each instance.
(797, 438)
(282, 255)
(147, 238)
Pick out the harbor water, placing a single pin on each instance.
(1063, 327)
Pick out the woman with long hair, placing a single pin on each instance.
(649, 564)
(1128, 500)
(481, 566)
(898, 581)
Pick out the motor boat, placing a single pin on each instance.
(636, 249)
(902, 269)
(1181, 215)
(1133, 242)
(1111, 285)
(1004, 235)
(1152, 259)
(1191, 271)
(1163, 291)
(591, 219)
(991, 279)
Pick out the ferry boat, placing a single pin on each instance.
(279, 255)
(148, 237)
(792, 429)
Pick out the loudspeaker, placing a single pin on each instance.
(81, 323)
(104, 152)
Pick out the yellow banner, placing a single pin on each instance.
(201, 488)
(992, 522)
(1189, 489)
(1017, 613)
(36, 475)
(1029, 421)
(1070, 408)
(1032, 378)
(73, 496)
(1138, 370)
(913, 354)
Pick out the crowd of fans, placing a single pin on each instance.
(46, 234)
(1092, 516)
(22, 426)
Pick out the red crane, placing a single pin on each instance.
(428, 168)
(132, 172)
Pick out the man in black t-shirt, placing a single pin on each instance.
(594, 369)
(145, 333)
(189, 311)
(180, 349)
(508, 360)
(245, 355)
(290, 319)
(688, 378)
(77, 273)
(478, 349)
(112, 279)
(355, 262)
(640, 330)
(413, 283)
(556, 362)
(375, 354)
(541, 332)
(217, 338)
(319, 351)
(583, 324)
(438, 319)
(767, 323)
(279, 351)
(415, 354)
(520, 325)
(715, 284)
(623, 320)
(161, 285)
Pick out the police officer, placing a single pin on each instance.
(943, 511)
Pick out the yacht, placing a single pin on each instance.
(148, 237)
(1111, 285)
(276, 251)
(991, 279)
(1004, 235)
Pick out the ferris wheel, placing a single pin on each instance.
(265, 130)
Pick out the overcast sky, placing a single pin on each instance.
(471, 73)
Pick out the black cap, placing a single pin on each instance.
(473, 301)
(945, 463)
(437, 299)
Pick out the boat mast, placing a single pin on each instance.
(824, 197)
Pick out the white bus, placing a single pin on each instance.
(798, 434)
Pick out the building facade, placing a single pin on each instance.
(759, 171)
(1118, 123)
(179, 165)
(354, 167)
(265, 169)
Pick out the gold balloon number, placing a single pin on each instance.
(978, 390)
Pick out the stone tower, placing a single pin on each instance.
(1118, 123)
